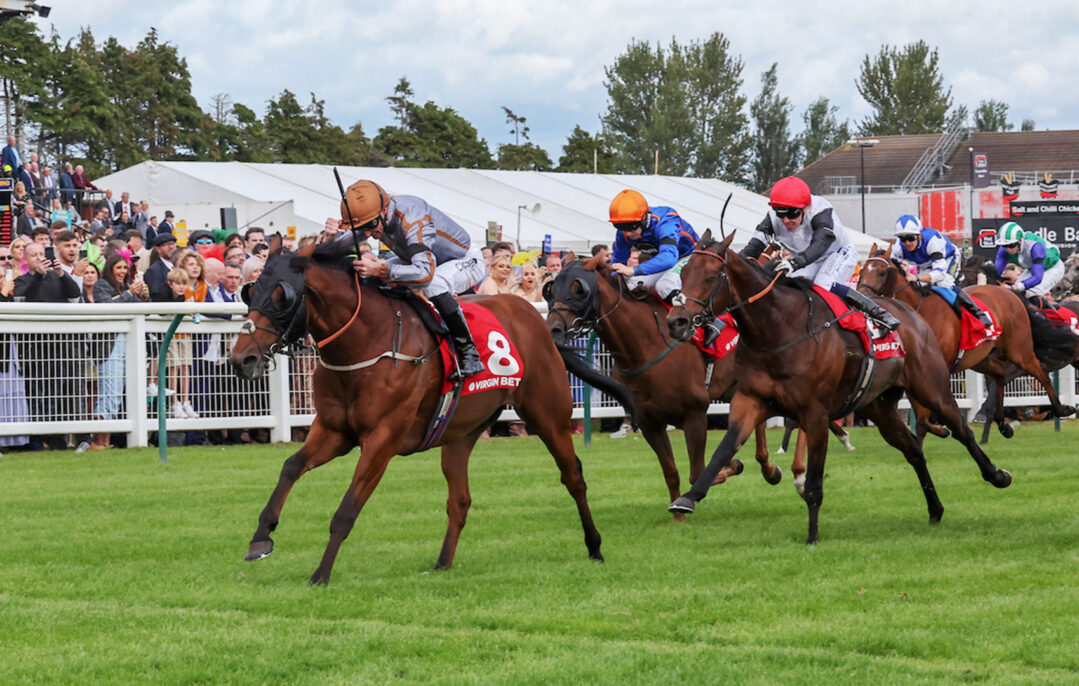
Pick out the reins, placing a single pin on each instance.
(359, 301)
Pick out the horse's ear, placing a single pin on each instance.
(570, 257)
(725, 244)
(874, 250)
(590, 263)
(275, 244)
(707, 236)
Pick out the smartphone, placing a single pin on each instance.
(9, 274)
(82, 254)
(50, 253)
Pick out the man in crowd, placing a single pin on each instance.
(252, 238)
(67, 254)
(157, 275)
(10, 156)
(601, 249)
(165, 226)
(553, 264)
(81, 184)
(67, 185)
(48, 366)
(141, 219)
(48, 184)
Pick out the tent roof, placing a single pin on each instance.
(573, 207)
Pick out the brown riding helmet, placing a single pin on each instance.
(365, 200)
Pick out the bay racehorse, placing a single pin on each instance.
(665, 376)
(378, 385)
(793, 360)
(1026, 340)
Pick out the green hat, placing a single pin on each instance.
(1009, 234)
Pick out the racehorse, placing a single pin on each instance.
(793, 360)
(665, 376)
(378, 386)
(976, 270)
(1023, 338)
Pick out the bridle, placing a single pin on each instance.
(706, 314)
(582, 323)
(285, 336)
(888, 264)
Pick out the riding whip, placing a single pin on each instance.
(723, 213)
(351, 223)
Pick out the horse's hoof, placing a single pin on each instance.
(317, 579)
(738, 466)
(847, 445)
(1006, 430)
(1003, 479)
(800, 485)
(259, 550)
(776, 477)
(597, 557)
(682, 505)
(938, 430)
(781, 450)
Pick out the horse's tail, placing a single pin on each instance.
(1055, 346)
(590, 375)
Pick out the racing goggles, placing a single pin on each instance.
(788, 212)
(628, 227)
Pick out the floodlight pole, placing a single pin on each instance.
(862, 144)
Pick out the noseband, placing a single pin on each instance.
(283, 340)
(581, 323)
(706, 313)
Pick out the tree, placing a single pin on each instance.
(905, 89)
(683, 103)
(992, 115)
(519, 129)
(21, 52)
(822, 133)
(1028, 125)
(581, 149)
(527, 157)
(430, 136)
(220, 107)
(399, 101)
(775, 153)
(304, 135)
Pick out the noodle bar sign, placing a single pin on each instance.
(1055, 221)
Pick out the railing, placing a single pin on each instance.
(85, 369)
(933, 161)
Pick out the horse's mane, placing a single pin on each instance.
(337, 254)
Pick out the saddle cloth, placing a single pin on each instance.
(972, 331)
(502, 362)
(724, 343)
(1063, 317)
(853, 320)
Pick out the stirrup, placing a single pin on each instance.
(711, 331)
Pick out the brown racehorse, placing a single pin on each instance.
(793, 360)
(666, 377)
(1017, 342)
(378, 383)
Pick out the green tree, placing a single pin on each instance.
(399, 101)
(519, 129)
(992, 115)
(430, 136)
(582, 149)
(905, 89)
(21, 51)
(1027, 125)
(527, 157)
(823, 133)
(682, 103)
(775, 152)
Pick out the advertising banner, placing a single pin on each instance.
(980, 163)
(1060, 230)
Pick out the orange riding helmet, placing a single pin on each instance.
(365, 201)
(627, 207)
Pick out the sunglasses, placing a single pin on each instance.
(908, 239)
(788, 212)
(205, 241)
(628, 227)
(5, 258)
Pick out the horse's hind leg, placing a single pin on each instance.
(892, 428)
(459, 499)
(1028, 362)
(798, 464)
(769, 470)
(789, 425)
(840, 433)
(321, 446)
(553, 428)
(656, 434)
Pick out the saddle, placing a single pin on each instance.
(423, 308)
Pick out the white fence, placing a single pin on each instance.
(85, 369)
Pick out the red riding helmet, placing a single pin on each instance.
(790, 191)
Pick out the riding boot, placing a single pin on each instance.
(969, 305)
(887, 322)
(468, 358)
(712, 330)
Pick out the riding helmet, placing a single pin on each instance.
(1009, 234)
(908, 225)
(628, 206)
(365, 200)
(790, 191)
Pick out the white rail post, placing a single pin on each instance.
(281, 430)
(137, 367)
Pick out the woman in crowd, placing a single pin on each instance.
(18, 252)
(195, 266)
(500, 277)
(13, 406)
(110, 350)
(529, 288)
(90, 278)
(252, 269)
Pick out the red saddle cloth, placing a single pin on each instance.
(1064, 317)
(853, 320)
(724, 343)
(500, 357)
(972, 331)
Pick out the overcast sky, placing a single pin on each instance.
(545, 60)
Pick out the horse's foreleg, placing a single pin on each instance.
(321, 446)
(746, 413)
(375, 454)
(459, 499)
(769, 470)
(656, 434)
(789, 425)
(839, 432)
(695, 428)
(893, 429)
(798, 464)
(1029, 363)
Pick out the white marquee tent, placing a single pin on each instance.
(571, 208)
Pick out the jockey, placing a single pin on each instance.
(934, 259)
(1040, 259)
(815, 245)
(431, 253)
(664, 240)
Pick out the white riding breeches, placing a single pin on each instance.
(1050, 278)
(664, 282)
(457, 276)
(835, 268)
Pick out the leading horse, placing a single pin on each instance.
(795, 361)
(378, 386)
(1026, 340)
